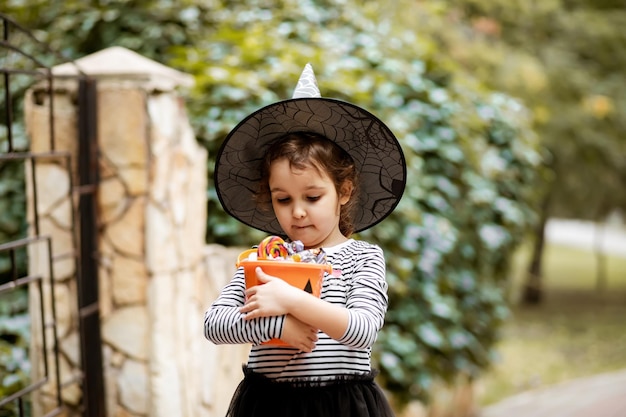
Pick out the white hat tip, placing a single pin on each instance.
(307, 84)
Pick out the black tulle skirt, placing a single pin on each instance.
(349, 396)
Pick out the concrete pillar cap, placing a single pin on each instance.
(119, 63)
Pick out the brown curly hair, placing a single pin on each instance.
(306, 149)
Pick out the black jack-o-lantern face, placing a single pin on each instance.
(308, 287)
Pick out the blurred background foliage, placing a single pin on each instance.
(565, 59)
(508, 111)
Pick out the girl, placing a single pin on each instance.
(310, 187)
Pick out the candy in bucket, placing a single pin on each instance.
(288, 261)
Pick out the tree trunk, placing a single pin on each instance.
(533, 291)
(600, 258)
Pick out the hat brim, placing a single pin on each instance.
(371, 144)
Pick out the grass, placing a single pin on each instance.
(576, 332)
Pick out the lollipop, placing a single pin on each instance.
(272, 247)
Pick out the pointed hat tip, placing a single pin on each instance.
(307, 84)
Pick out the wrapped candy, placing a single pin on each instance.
(317, 256)
(295, 247)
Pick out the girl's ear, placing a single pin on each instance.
(345, 192)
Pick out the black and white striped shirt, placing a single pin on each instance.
(360, 287)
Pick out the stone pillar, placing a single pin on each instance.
(154, 282)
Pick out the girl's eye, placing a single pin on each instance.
(313, 198)
(282, 200)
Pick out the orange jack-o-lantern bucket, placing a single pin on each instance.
(305, 276)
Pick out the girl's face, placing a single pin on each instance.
(306, 204)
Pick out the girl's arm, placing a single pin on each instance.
(355, 324)
(330, 318)
(224, 323)
(298, 334)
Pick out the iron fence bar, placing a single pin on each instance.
(17, 71)
(4, 43)
(89, 317)
(20, 282)
(13, 265)
(54, 328)
(35, 155)
(21, 28)
(32, 387)
(8, 21)
(35, 196)
(23, 242)
(42, 318)
(8, 112)
(50, 91)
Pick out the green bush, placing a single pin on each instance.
(450, 241)
(12, 217)
(14, 344)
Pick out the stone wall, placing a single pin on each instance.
(156, 275)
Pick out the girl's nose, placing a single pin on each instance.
(298, 212)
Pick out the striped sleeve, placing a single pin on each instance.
(224, 324)
(366, 299)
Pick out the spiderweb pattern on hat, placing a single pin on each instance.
(373, 147)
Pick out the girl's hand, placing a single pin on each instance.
(273, 298)
(298, 334)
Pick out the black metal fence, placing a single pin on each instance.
(24, 63)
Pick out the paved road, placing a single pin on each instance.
(601, 395)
